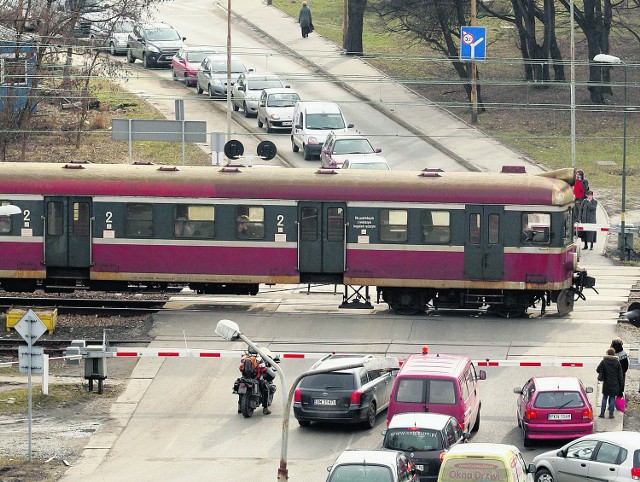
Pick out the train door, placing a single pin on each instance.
(321, 240)
(484, 243)
(67, 232)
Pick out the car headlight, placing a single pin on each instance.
(153, 48)
(313, 140)
(274, 117)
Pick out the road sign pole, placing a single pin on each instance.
(29, 396)
(474, 92)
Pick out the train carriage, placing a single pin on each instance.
(502, 240)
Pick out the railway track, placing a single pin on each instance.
(69, 305)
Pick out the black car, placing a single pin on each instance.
(153, 43)
(343, 396)
(424, 437)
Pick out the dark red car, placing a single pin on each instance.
(185, 63)
(554, 407)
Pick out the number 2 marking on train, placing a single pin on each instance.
(280, 219)
(109, 216)
(27, 215)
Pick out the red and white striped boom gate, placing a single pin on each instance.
(613, 228)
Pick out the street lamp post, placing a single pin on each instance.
(611, 59)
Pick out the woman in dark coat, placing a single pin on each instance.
(616, 344)
(611, 373)
(588, 215)
(305, 20)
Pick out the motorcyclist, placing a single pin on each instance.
(253, 366)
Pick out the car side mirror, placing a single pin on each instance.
(140, 39)
(298, 126)
(263, 104)
(531, 468)
(184, 38)
(242, 88)
(517, 391)
(349, 126)
(588, 389)
(483, 375)
(377, 150)
(561, 453)
(287, 86)
(383, 432)
(329, 468)
(466, 436)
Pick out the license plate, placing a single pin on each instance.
(420, 467)
(286, 124)
(559, 416)
(242, 389)
(324, 401)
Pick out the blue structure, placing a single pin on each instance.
(17, 69)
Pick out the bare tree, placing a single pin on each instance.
(352, 43)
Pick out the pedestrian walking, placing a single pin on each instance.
(588, 215)
(304, 18)
(616, 344)
(610, 373)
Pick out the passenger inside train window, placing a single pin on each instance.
(5, 224)
(249, 229)
(536, 228)
(435, 227)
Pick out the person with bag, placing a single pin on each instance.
(588, 210)
(616, 344)
(304, 18)
(610, 373)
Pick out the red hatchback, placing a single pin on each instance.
(185, 63)
(554, 407)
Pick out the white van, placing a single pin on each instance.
(312, 123)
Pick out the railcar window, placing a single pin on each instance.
(536, 228)
(568, 226)
(393, 225)
(194, 221)
(494, 228)
(139, 220)
(335, 224)
(309, 224)
(250, 222)
(81, 215)
(55, 218)
(474, 228)
(436, 227)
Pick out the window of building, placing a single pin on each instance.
(13, 69)
(393, 225)
(194, 221)
(536, 228)
(436, 227)
(250, 222)
(138, 220)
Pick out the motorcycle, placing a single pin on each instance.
(254, 384)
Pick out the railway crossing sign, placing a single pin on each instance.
(31, 357)
(30, 327)
(473, 43)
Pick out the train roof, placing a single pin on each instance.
(294, 184)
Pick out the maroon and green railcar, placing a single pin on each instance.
(423, 239)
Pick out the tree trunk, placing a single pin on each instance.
(353, 37)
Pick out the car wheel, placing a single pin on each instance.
(260, 124)
(304, 423)
(526, 441)
(246, 111)
(130, 58)
(187, 82)
(476, 426)
(370, 422)
(211, 95)
(294, 146)
(199, 89)
(112, 48)
(145, 61)
(543, 475)
(307, 153)
(269, 129)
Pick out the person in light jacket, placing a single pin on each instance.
(588, 215)
(610, 371)
(304, 18)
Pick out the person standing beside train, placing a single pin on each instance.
(588, 215)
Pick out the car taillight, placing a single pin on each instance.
(530, 414)
(441, 456)
(297, 396)
(635, 473)
(355, 397)
(587, 413)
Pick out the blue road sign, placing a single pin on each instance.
(473, 43)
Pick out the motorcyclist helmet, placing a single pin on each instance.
(252, 351)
